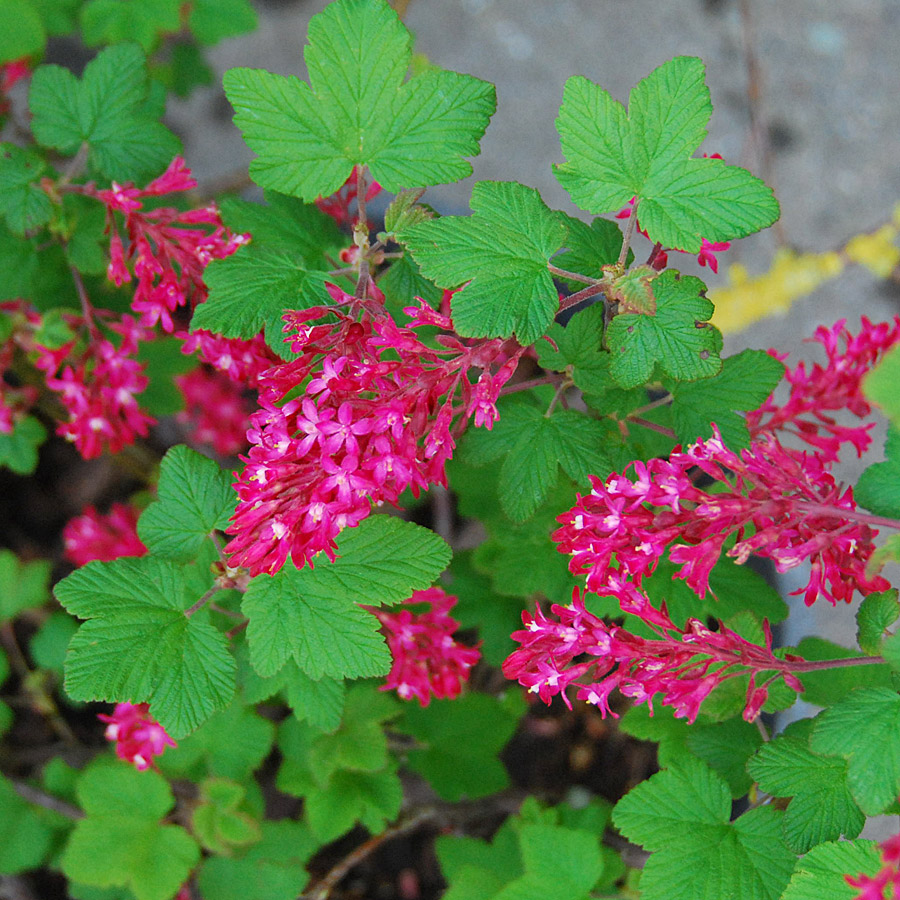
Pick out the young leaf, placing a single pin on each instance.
(123, 810)
(195, 498)
(612, 156)
(678, 338)
(312, 614)
(746, 380)
(250, 291)
(356, 110)
(682, 814)
(821, 874)
(864, 727)
(878, 488)
(821, 808)
(22, 201)
(875, 615)
(502, 251)
(458, 742)
(107, 110)
(152, 651)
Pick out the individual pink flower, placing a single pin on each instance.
(872, 887)
(137, 735)
(819, 391)
(428, 662)
(778, 503)
(364, 412)
(93, 536)
(682, 665)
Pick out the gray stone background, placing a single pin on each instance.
(819, 119)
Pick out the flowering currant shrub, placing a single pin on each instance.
(273, 644)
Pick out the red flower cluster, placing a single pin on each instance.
(98, 389)
(683, 665)
(822, 390)
(374, 416)
(16, 400)
(137, 735)
(338, 204)
(217, 411)
(780, 504)
(427, 660)
(94, 536)
(872, 888)
(168, 249)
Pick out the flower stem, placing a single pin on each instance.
(840, 512)
(202, 601)
(629, 232)
(570, 276)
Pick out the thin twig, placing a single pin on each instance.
(202, 601)
(570, 276)
(646, 423)
(47, 801)
(626, 239)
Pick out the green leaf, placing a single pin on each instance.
(820, 875)
(50, 642)
(589, 247)
(458, 742)
(19, 448)
(405, 211)
(404, 280)
(312, 614)
(357, 111)
(880, 385)
(164, 361)
(139, 646)
(612, 156)
(864, 727)
(744, 383)
(502, 251)
(23, 31)
(26, 585)
(214, 20)
(822, 808)
(542, 444)
(23, 202)
(26, 833)
(185, 69)
(678, 338)
(250, 292)
(195, 498)
(878, 488)
(875, 615)
(218, 820)
(273, 869)
(107, 109)
(124, 808)
(683, 815)
(58, 16)
(144, 21)
(725, 747)
(231, 744)
(826, 686)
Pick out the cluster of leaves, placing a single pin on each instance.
(272, 681)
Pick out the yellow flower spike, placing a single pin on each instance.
(878, 251)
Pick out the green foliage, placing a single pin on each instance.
(821, 808)
(820, 875)
(678, 337)
(19, 448)
(502, 251)
(22, 202)
(827, 686)
(219, 822)
(588, 248)
(26, 832)
(612, 156)
(152, 651)
(356, 110)
(878, 488)
(880, 385)
(312, 613)
(108, 110)
(123, 809)
(875, 615)
(195, 498)
(682, 815)
(25, 585)
(863, 727)
(212, 21)
(744, 383)
(143, 21)
(457, 742)
(23, 31)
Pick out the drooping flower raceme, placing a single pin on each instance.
(427, 660)
(872, 887)
(93, 536)
(777, 503)
(366, 411)
(576, 648)
(137, 735)
(818, 392)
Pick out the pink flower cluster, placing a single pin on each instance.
(216, 411)
(366, 411)
(778, 503)
(98, 388)
(168, 249)
(105, 537)
(427, 660)
(137, 735)
(873, 887)
(16, 400)
(683, 665)
(819, 391)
